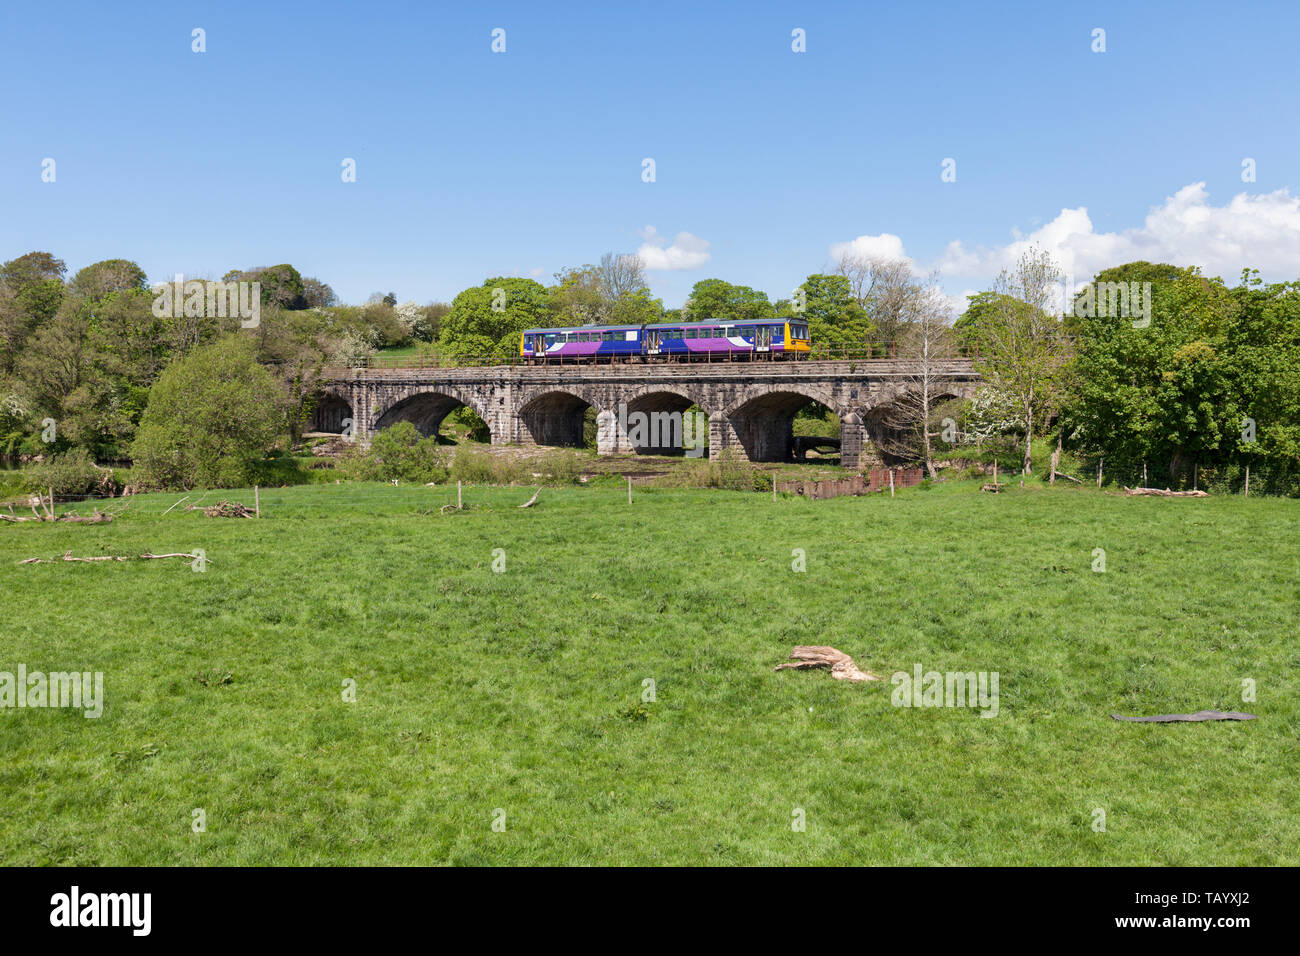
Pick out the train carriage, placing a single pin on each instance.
(712, 340)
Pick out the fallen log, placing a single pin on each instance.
(99, 517)
(224, 509)
(1163, 493)
(533, 500)
(67, 556)
(840, 664)
(1198, 716)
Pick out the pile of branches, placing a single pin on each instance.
(46, 513)
(1164, 493)
(224, 509)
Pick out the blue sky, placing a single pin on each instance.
(472, 163)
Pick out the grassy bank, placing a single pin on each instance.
(522, 691)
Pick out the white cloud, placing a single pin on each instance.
(685, 251)
(535, 272)
(1261, 231)
(884, 246)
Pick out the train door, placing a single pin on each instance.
(763, 338)
(652, 341)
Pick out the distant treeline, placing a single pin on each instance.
(1187, 378)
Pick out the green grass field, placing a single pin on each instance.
(521, 691)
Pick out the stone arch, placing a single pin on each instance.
(425, 407)
(887, 421)
(760, 424)
(652, 420)
(555, 415)
(333, 412)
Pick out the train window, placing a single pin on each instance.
(745, 331)
(607, 336)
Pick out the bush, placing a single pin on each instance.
(728, 471)
(561, 467)
(211, 416)
(72, 474)
(477, 466)
(281, 469)
(398, 453)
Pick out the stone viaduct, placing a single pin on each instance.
(750, 405)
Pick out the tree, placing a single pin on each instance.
(886, 288)
(1022, 344)
(580, 297)
(835, 319)
(716, 299)
(282, 285)
(103, 278)
(211, 415)
(31, 291)
(487, 320)
(927, 341)
(317, 294)
(637, 308)
(1209, 385)
(621, 274)
(613, 292)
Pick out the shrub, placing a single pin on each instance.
(211, 416)
(561, 467)
(473, 465)
(71, 474)
(397, 453)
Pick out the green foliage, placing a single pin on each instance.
(466, 418)
(728, 472)
(716, 299)
(835, 318)
(400, 453)
(104, 278)
(487, 320)
(71, 474)
(211, 416)
(1178, 393)
(282, 285)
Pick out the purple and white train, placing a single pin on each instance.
(715, 340)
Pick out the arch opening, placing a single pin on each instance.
(331, 415)
(898, 427)
(426, 411)
(663, 423)
(556, 418)
(765, 426)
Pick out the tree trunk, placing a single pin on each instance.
(1029, 441)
